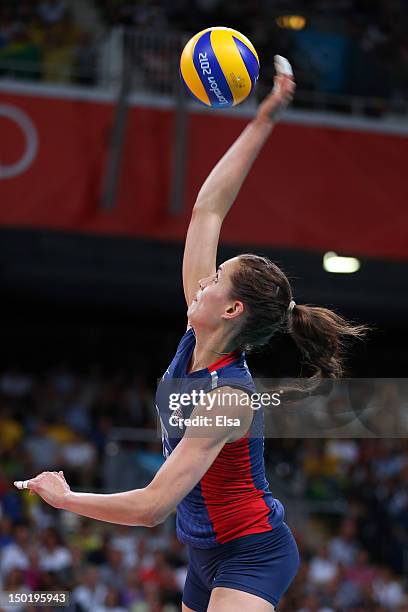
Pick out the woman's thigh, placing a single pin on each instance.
(230, 600)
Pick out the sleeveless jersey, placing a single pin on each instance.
(232, 499)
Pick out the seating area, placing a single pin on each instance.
(348, 48)
(40, 41)
(61, 417)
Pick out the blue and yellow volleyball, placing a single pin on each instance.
(219, 67)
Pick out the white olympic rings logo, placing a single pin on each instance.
(31, 141)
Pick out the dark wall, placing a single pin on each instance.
(84, 297)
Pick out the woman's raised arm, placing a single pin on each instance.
(222, 186)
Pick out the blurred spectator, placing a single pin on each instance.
(11, 431)
(114, 568)
(322, 569)
(32, 575)
(387, 590)
(16, 554)
(78, 459)
(59, 45)
(86, 539)
(54, 556)
(132, 593)
(52, 11)
(343, 548)
(160, 577)
(361, 573)
(41, 448)
(91, 592)
(15, 384)
(111, 602)
(126, 541)
(14, 583)
(6, 527)
(85, 59)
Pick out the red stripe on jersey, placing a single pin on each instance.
(235, 506)
(220, 363)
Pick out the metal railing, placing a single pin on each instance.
(155, 73)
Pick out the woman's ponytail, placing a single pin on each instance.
(321, 335)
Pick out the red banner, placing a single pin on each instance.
(320, 188)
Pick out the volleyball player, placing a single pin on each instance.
(242, 555)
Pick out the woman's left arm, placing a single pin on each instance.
(150, 506)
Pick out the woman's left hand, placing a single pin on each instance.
(51, 486)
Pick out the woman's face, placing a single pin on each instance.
(212, 303)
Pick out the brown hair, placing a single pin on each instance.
(319, 333)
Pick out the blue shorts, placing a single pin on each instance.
(263, 564)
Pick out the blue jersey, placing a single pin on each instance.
(232, 499)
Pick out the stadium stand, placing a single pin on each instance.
(365, 44)
(60, 418)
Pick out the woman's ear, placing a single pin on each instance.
(233, 310)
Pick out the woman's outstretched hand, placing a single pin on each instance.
(282, 93)
(51, 486)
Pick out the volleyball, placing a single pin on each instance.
(219, 66)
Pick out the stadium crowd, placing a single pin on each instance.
(40, 40)
(354, 557)
(354, 47)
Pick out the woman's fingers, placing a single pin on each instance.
(284, 74)
(33, 483)
(282, 66)
(50, 486)
(21, 484)
(30, 485)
